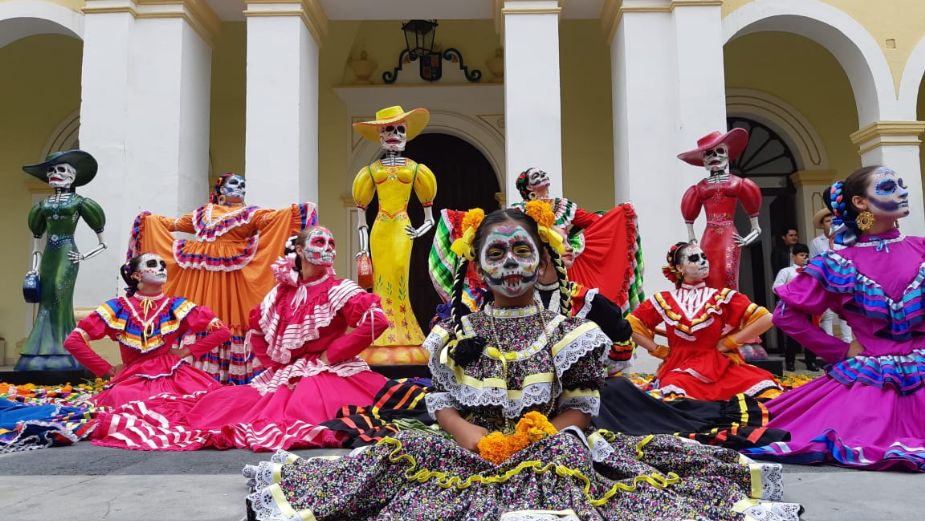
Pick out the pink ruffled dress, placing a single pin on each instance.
(282, 407)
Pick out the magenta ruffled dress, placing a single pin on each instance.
(868, 411)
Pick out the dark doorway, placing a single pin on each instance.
(769, 162)
(465, 179)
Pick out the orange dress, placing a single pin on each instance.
(225, 267)
(696, 317)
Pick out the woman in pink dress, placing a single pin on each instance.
(148, 326)
(299, 332)
(868, 410)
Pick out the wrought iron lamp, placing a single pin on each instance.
(419, 46)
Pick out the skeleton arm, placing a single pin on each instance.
(413, 232)
(691, 236)
(363, 231)
(752, 235)
(36, 254)
(76, 256)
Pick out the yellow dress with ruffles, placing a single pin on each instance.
(390, 246)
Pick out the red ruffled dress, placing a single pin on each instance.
(696, 318)
(283, 406)
(146, 328)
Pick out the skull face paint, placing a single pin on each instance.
(693, 264)
(509, 260)
(716, 159)
(234, 188)
(887, 195)
(152, 270)
(319, 247)
(392, 138)
(537, 181)
(61, 175)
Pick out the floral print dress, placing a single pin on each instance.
(534, 361)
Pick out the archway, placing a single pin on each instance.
(847, 40)
(465, 179)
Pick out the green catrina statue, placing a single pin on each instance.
(50, 283)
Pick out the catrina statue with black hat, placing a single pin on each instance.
(50, 282)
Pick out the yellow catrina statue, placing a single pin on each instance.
(394, 177)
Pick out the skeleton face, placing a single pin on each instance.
(61, 175)
(319, 248)
(537, 181)
(887, 195)
(152, 270)
(694, 264)
(509, 260)
(716, 159)
(392, 138)
(234, 189)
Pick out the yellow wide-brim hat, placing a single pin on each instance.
(415, 120)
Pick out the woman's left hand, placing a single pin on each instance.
(324, 358)
(854, 349)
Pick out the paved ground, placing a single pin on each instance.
(88, 483)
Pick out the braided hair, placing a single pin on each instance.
(838, 199)
(468, 349)
(127, 270)
(217, 188)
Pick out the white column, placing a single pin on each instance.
(104, 127)
(281, 151)
(668, 90)
(169, 104)
(145, 117)
(532, 104)
(896, 144)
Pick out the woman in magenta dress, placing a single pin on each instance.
(148, 326)
(706, 327)
(299, 332)
(867, 411)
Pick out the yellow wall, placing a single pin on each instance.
(897, 20)
(229, 67)
(804, 74)
(39, 88)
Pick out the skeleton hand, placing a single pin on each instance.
(75, 257)
(414, 233)
(748, 239)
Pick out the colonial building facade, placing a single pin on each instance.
(602, 94)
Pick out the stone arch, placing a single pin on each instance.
(65, 136)
(783, 118)
(843, 36)
(23, 18)
(911, 80)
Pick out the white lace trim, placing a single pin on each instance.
(586, 307)
(586, 404)
(540, 515)
(761, 387)
(289, 375)
(438, 401)
(600, 448)
(567, 355)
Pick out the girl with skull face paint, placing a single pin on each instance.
(299, 333)
(866, 412)
(226, 266)
(489, 368)
(705, 328)
(149, 326)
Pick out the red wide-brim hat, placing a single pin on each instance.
(736, 139)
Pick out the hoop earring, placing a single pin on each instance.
(221, 200)
(531, 195)
(865, 220)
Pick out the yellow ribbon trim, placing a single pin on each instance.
(446, 480)
(552, 238)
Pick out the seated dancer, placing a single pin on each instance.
(735, 423)
(299, 332)
(705, 328)
(605, 247)
(514, 362)
(867, 410)
(148, 327)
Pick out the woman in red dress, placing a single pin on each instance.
(148, 326)
(299, 332)
(705, 328)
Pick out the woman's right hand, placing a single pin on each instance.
(115, 370)
(469, 436)
(855, 349)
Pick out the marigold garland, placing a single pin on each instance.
(541, 212)
(498, 447)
